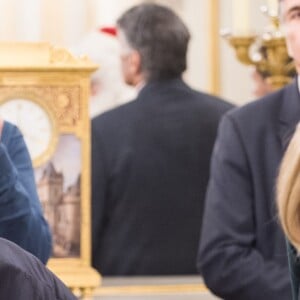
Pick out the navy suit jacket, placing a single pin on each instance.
(149, 176)
(24, 277)
(242, 253)
(21, 217)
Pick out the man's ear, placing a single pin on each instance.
(135, 63)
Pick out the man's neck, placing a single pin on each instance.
(140, 85)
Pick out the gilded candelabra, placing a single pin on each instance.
(270, 56)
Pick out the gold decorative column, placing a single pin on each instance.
(53, 85)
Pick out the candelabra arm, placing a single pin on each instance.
(266, 52)
(242, 46)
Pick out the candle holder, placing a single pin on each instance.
(266, 52)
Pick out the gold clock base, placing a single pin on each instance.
(82, 281)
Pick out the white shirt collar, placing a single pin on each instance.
(139, 86)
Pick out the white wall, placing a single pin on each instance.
(65, 22)
(194, 13)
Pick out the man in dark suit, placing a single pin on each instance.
(243, 253)
(24, 277)
(150, 157)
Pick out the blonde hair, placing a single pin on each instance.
(288, 191)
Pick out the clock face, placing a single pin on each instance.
(34, 122)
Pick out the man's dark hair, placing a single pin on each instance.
(160, 37)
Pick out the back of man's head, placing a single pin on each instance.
(159, 36)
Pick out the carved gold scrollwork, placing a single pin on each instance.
(62, 56)
(63, 101)
(66, 113)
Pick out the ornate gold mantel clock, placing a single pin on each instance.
(45, 92)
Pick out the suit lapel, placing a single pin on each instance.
(289, 114)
